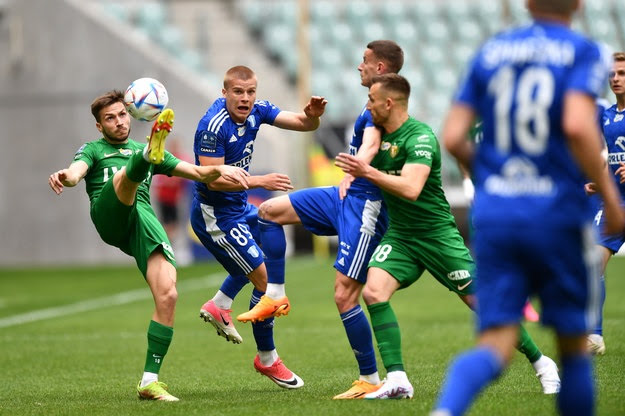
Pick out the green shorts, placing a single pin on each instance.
(135, 230)
(444, 255)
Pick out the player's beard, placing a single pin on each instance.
(117, 136)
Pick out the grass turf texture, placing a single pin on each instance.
(89, 360)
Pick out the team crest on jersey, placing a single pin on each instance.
(394, 150)
(618, 117)
(385, 146)
(241, 130)
(253, 251)
(126, 152)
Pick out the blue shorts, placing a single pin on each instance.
(229, 236)
(611, 242)
(358, 220)
(561, 266)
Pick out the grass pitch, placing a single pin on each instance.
(72, 342)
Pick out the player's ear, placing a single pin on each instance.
(223, 92)
(98, 126)
(381, 69)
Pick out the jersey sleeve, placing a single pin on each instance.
(86, 154)
(590, 71)
(168, 164)
(208, 143)
(267, 111)
(367, 118)
(469, 90)
(421, 148)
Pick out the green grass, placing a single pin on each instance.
(89, 362)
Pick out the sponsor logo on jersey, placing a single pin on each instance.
(126, 152)
(607, 122)
(464, 286)
(419, 146)
(243, 163)
(253, 251)
(208, 141)
(345, 252)
(423, 138)
(342, 261)
(248, 147)
(423, 153)
(232, 139)
(394, 150)
(616, 158)
(519, 176)
(620, 142)
(105, 155)
(458, 275)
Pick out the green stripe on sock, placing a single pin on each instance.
(387, 335)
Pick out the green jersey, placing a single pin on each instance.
(414, 142)
(104, 159)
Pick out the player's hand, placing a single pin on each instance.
(590, 188)
(315, 107)
(235, 174)
(352, 165)
(56, 180)
(620, 172)
(345, 184)
(277, 182)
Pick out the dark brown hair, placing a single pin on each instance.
(389, 52)
(105, 100)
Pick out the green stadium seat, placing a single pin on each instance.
(392, 11)
(323, 11)
(405, 33)
(358, 12)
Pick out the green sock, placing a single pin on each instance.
(527, 346)
(387, 334)
(159, 338)
(137, 168)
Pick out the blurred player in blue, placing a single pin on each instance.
(613, 126)
(534, 88)
(226, 223)
(354, 211)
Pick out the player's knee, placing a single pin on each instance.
(168, 296)
(265, 211)
(344, 300)
(371, 296)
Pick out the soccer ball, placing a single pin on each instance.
(145, 98)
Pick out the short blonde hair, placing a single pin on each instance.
(238, 72)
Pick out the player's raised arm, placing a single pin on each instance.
(68, 177)
(306, 120)
(210, 173)
(270, 181)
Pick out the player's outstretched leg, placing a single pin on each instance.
(595, 342)
(279, 374)
(155, 150)
(221, 320)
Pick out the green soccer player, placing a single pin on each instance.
(117, 172)
(422, 233)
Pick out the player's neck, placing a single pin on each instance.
(395, 121)
(620, 103)
(553, 18)
(115, 141)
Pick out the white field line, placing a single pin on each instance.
(107, 301)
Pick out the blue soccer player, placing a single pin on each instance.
(226, 223)
(613, 126)
(355, 212)
(534, 88)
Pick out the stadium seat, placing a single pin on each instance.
(323, 11)
(151, 17)
(392, 11)
(358, 12)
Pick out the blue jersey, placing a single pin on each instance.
(524, 172)
(217, 135)
(363, 121)
(613, 125)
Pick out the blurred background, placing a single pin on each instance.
(58, 55)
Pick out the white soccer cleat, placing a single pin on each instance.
(392, 390)
(548, 376)
(596, 345)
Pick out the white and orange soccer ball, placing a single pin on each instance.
(145, 98)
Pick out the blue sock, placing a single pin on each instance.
(263, 331)
(273, 243)
(599, 327)
(577, 393)
(466, 377)
(232, 285)
(360, 338)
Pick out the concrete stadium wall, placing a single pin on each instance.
(58, 55)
